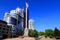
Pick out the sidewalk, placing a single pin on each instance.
(21, 38)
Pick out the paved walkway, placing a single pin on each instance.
(43, 38)
(29, 38)
(21, 38)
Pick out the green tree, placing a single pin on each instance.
(49, 33)
(56, 33)
(41, 33)
(33, 33)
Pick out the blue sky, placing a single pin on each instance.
(46, 13)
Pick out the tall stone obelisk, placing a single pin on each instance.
(26, 22)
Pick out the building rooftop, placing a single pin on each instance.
(1, 21)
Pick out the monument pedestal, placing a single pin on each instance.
(26, 32)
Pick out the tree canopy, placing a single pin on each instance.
(33, 33)
(49, 33)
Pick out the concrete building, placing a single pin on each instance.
(16, 19)
(5, 30)
(31, 24)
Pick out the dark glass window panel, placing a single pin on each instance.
(13, 21)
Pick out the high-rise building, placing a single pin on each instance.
(16, 19)
(31, 24)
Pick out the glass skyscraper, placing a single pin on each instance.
(15, 18)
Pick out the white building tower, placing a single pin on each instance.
(16, 19)
(6, 15)
(31, 24)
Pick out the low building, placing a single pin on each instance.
(5, 30)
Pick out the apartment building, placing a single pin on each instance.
(5, 30)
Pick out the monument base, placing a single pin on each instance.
(26, 32)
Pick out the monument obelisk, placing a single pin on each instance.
(26, 21)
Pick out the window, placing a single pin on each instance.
(3, 32)
(3, 28)
(7, 26)
(0, 25)
(7, 29)
(7, 32)
(13, 21)
(0, 28)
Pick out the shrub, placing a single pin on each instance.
(49, 33)
(33, 33)
(41, 33)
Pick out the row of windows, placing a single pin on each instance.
(4, 29)
(4, 26)
(4, 32)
